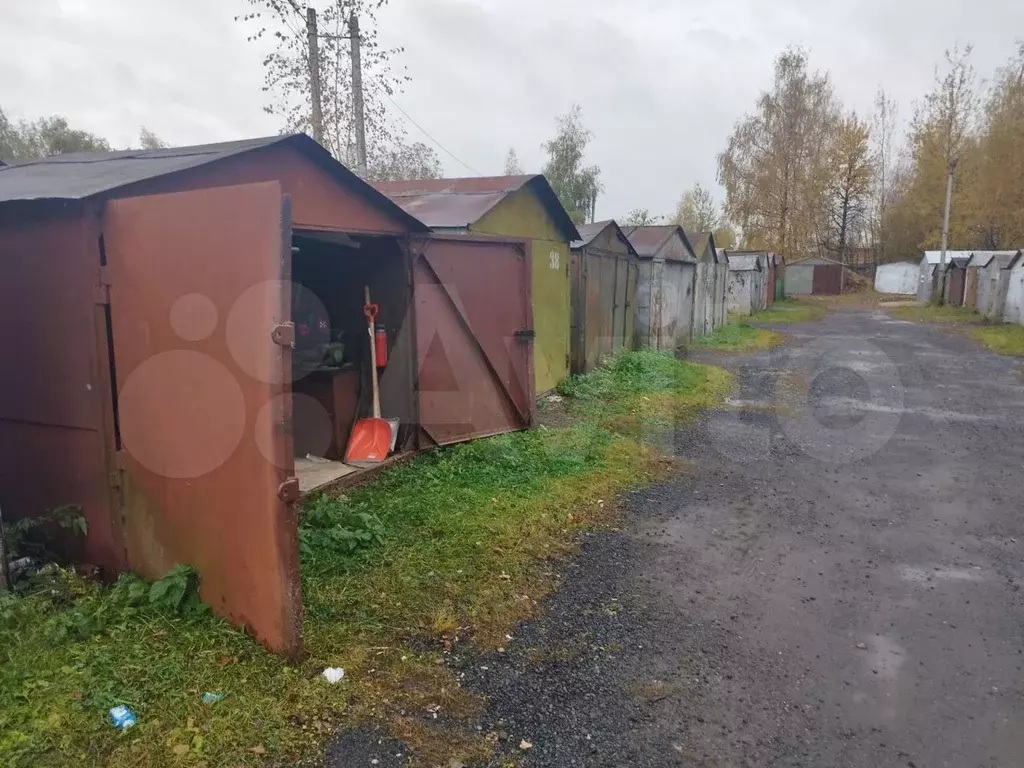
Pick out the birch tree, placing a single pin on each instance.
(774, 167)
(286, 83)
(577, 185)
(697, 212)
(849, 188)
(883, 133)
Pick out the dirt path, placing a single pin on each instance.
(836, 584)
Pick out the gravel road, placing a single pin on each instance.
(835, 583)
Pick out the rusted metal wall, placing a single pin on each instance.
(196, 290)
(828, 280)
(955, 286)
(604, 294)
(721, 289)
(971, 288)
(474, 337)
(741, 295)
(1013, 303)
(318, 201)
(55, 394)
(198, 284)
(522, 215)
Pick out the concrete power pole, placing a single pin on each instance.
(941, 283)
(357, 94)
(314, 76)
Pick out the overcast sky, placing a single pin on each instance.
(661, 82)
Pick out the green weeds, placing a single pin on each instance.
(737, 337)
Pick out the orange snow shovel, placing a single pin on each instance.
(371, 438)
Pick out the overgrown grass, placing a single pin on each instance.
(792, 311)
(451, 547)
(462, 538)
(739, 336)
(1005, 339)
(932, 313)
(645, 387)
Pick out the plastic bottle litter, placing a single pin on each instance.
(212, 698)
(121, 717)
(333, 674)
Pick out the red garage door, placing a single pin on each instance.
(828, 280)
(473, 337)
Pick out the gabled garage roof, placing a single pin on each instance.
(744, 262)
(590, 232)
(458, 203)
(650, 239)
(82, 175)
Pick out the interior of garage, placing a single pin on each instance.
(331, 361)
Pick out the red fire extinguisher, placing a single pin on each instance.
(380, 341)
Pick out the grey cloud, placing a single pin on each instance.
(661, 82)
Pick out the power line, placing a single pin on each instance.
(427, 134)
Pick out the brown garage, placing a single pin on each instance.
(181, 321)
(813, 276)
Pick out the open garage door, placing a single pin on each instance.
(201, 332)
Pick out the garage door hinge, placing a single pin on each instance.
(288, 491)
(101, 294)
(284, 334)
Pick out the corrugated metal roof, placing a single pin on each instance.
(819, 260)
(744, 262)
(699, 241)
(81, 175)
(590, 232)
(983, 258)
(458, 203)
(649, 240)
(933, 257)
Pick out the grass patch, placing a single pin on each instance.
(932, 313)
(1004, 338)
(646, 387)
(448, 546)
(739, 336)
(792, 311)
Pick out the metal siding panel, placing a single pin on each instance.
(971, 288)
(198, 285)
(475, 375)
(897, 278)
(522, 215)
(1013, 308)
(799, 280)
(54, 402)
(827, 279)
(642, 336)
(633, 273)
(577, 309)
(699, 300)
(318, 201)
(606, 306)
(620, 308)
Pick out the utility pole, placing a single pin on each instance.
(314, 76)
(357, 94)
(941, 283)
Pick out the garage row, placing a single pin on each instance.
(192, 335)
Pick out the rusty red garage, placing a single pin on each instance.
(150, 301)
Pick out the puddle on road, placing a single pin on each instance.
(884, 657)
